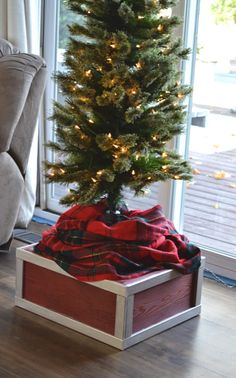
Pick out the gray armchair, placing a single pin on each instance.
(22, 83)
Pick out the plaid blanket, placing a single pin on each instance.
(92, 244)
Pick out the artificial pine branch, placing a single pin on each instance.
(123, 101)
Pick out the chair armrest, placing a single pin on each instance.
(16, 75)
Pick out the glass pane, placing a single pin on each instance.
(210, 211)
(65, 17)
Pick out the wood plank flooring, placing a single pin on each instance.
(33, 347)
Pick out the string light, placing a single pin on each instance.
(138, 106)
(84, 98)
(164, 167)
(140, 17)
(91, 121)
(138, 65)
(180, 95)
(159, 102)
(166, 50)
(109, 135)
(154, 137)
(137, 156)
(88, 73)
(115, 145)
(93, 180)
(177, 177)
(77, 127)
(113, 45)
(123, 150)
(149, 178)
(99, 173)
(164, 155)
(133, 172)
(160, 28)
(138, 46)
(109, 60)
(62, 171)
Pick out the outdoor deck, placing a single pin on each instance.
(210, 203)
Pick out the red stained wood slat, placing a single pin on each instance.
(160, 302)
(64, 295)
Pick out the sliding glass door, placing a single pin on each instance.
(205, 208)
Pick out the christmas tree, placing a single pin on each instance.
(123, 101)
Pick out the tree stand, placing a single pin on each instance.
(120, 314)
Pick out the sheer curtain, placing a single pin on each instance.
(20, 24)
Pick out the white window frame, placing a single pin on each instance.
(50, 42)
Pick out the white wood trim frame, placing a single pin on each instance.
(102, 336)
(120, 316)
(124, 316)
(129, 316)
(199, 282)
(19, 278)
(128, 288)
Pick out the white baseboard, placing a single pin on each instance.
(223, 265)
(46, 214)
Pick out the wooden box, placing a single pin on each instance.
(119, 314)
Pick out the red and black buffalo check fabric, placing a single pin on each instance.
(92, 244)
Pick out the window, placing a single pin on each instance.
(179, 203)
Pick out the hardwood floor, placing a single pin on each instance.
(33, 347)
